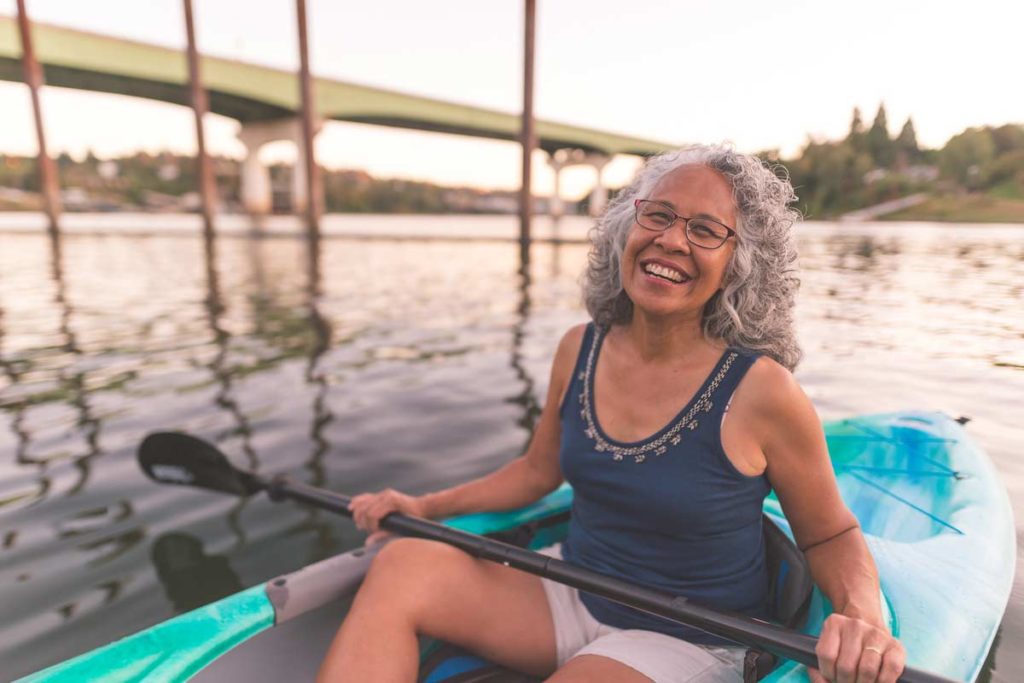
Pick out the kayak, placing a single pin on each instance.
(934, 513)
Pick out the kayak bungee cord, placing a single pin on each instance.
(181, 459)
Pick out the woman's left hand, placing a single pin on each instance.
(855, 651)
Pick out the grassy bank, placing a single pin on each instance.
(963, 209)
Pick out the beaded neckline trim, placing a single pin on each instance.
(658, 446)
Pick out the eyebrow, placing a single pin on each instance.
(698, 215)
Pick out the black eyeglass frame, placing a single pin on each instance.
(686, 223)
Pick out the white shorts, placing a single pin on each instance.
(660, 657)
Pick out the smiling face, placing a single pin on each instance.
(662, 273)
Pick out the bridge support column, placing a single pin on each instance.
(255, 180)
(599, 195)
(561, 158)
(299, 191)
(557, 161)
(256, 195)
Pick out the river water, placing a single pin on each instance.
(415, 363)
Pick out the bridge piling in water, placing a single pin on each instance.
(528, 134)
(207, 186)
(49, 187)
(307, 156)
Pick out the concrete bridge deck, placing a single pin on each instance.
(252, 93)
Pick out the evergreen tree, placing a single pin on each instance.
(879, 143)
(856, 136)
(907, 150)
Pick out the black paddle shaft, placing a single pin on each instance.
(735, 627)
(178, 458)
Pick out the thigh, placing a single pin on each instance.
(663, 659)
(586, 668)
(497, 612)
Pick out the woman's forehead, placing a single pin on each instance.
(696, 188)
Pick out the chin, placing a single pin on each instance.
(661, 310)
(667, 308)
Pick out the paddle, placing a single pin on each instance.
(176, 458)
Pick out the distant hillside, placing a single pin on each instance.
(978, 175)
(167, 182)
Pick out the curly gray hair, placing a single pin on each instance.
(754, 308)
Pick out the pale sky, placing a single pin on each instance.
(759, 74)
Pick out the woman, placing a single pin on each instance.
(691, 288)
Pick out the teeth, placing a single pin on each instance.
(667, 273)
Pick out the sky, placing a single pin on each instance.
(762, 75)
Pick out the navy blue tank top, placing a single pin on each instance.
(669, 512)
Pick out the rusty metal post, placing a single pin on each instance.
(207, 187)
(49, 188)
(313, 199)
(527, 134)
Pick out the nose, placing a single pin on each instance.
(674, 238)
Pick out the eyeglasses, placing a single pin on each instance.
(700, 232)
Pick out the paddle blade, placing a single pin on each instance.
(176, 458)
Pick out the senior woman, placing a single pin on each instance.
(672, 415)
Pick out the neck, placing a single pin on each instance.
(659, 339)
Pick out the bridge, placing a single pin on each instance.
(266, 103)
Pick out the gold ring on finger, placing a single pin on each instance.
(872, 648)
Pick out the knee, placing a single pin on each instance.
(412, 560)
(408, 575)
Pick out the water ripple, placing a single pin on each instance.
(412, 364)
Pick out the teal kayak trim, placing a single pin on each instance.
(173, 650)
(489, 522)
(177, 649)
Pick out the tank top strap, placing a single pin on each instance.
(572, 394)
(739, 364)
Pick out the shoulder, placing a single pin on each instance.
(767, 382)
(569, 347)
(772, 400)
(565, 360)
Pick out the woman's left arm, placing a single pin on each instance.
(855, 645)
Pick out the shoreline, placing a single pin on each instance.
(428, 227)
(961, 209)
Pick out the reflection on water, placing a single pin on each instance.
(189, 576)
(525, 399)
(359, 364)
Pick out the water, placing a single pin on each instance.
(418, 364)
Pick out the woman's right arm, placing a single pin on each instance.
(518, 483)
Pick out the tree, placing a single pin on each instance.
(907, 150)
(1008, 138)
(1004, 174)
(829, 177)
(966, 155)
(879, 143)
(855, 138)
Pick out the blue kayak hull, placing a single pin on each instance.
(940, 528)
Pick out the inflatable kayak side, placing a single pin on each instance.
(939, 525)
(176, 649)
(173, 650)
